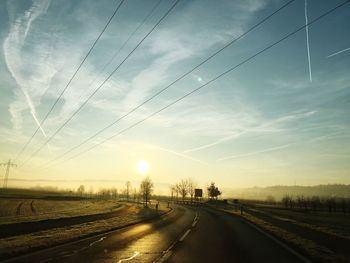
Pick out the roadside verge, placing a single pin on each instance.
(308, 250)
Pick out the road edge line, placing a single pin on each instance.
(168, 252)
(262, 231)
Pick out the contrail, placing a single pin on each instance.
(15, 39)
(176, 153)
(32, 110)
(336, 53)
(307, 41)
(236, 135)
(253, 153)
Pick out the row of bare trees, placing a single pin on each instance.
(186, 187)
(316, 203)
(182, 189)
(145, 192)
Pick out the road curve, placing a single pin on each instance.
(220, 237)
(188, 234)
(144, 242)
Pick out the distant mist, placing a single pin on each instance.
(261, 193)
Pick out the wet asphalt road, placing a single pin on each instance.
(185, 235)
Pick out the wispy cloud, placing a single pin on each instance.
(13, 46)
(339, 52)
(261, 128)
(253, 153)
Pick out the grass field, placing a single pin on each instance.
(336, 223)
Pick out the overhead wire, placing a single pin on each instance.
(116, 53)
(176, 80)
(212, 80)
(70, 80)
(100, 86)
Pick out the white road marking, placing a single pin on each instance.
(165, 256)
(167, 253)
(93, 243)
(136, 253)
(185, 235)
(194, 223)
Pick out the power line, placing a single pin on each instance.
(70, 80)
(176, 80)
(116, 53)
(100, 86)
(212, 80)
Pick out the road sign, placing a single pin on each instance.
(198, 192)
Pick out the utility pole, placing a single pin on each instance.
(8, 165)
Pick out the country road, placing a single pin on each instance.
(185, 235)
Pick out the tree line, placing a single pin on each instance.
(186, 188)
(129, 193)
(317, 203)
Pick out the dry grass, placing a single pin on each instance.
(307, 247)
(329, 223)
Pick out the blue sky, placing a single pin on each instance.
(264, 123)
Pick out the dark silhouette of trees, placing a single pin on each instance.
(213, 191)
(315, 202)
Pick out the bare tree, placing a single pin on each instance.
(177, 190)
(183, 188)
(127, 190)
(135, 194)
(81, 190)
(114, 193)
(172, 191)
(191, 186)
(146, 189)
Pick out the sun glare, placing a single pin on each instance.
(143, 167)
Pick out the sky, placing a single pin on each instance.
(282, 118)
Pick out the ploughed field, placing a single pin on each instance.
(16, 210)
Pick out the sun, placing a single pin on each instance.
(143, 167)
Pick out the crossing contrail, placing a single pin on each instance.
(337, 53)
(307, 41)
